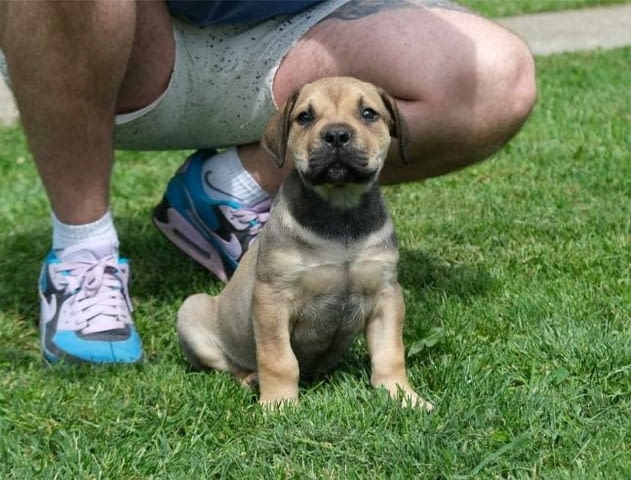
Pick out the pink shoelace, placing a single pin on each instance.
(100, 297)
(252, 219)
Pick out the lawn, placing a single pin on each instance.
(501, 8)
(518, 287)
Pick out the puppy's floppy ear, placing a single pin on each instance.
(398, 127)
(274, 139)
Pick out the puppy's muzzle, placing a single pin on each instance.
(336, 160)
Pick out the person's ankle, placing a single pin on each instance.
(263, 169)
(98, 232)
(225, 178)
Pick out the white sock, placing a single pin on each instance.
(224, 178)
(102, 230)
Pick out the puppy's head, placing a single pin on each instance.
(337, 131)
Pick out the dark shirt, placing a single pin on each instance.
(221, 12)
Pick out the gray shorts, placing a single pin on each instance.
(220, 91)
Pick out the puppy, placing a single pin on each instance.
(324, 267)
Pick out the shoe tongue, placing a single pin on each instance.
(88, 253)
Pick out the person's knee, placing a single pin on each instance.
(490, 98)
(520, 87)
(509, 80)
(481, 101)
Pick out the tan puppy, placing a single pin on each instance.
(324, 267)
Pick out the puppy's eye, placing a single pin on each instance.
(305, 118)
(369, 115)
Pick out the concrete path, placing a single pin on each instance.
(8, 112)
(545, 34)
(573, 30)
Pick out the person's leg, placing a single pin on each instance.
(72, 65)
(464, 84)
(67, 62)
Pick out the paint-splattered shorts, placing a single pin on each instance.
(220, 92)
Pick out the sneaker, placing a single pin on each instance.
(85, 307)
(214, 233)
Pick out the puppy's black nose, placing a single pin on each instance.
(337, 136)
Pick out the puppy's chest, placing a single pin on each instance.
(337, 288)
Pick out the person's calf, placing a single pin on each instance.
(65, 75)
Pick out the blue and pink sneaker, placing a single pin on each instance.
(85, 313)
(215, 233)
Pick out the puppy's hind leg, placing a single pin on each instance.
(196, 328)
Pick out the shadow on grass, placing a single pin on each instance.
(160, 272)
(422, 273)
(163, 277)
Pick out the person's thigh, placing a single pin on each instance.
(403, 46)
(463, 83)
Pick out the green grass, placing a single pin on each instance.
(518, 287)
(503, 8)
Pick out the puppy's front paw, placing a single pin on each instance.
(277, 402)
(410, 398)
(407, 396)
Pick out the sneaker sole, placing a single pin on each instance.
(185, 236)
